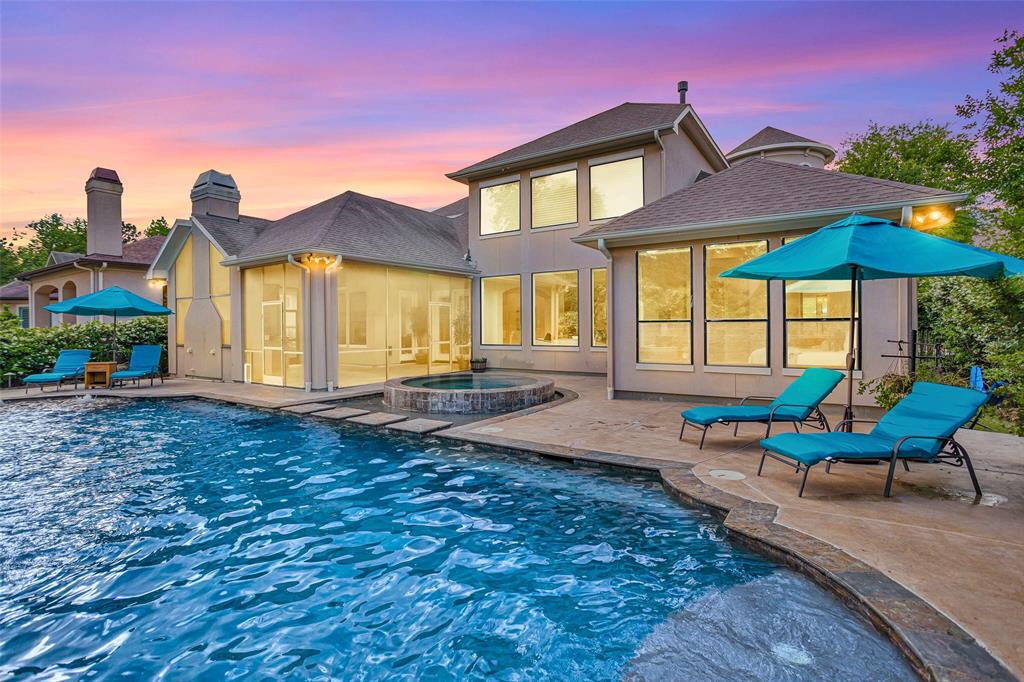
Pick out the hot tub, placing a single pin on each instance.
(468, 393)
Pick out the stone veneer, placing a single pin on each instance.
(399, 396)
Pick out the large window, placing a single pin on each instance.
(664, 306)
(735, 310)
(220, 293)
(553, 199)
(182, 289)
(616, 188)
(599, 307)
(556, 308)
(817, 314)
(500, 318)
(499, 208)
(395, 322)
(272, 320)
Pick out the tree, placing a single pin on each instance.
(50, 233)
(129, 232)
(158, 227)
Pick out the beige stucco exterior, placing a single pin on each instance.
(71, 281)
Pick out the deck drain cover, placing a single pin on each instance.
(727, 474)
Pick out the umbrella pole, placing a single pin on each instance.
(113, 356)
(852, 355)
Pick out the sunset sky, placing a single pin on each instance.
(301, 101)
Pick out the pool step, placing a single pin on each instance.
(342, 413)
(306, 408)
(377, 419)
(420, 426)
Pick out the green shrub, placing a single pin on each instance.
(27, 351)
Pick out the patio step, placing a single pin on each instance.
(420, 425)
(307, 408)
(377, 419)
(342, 413)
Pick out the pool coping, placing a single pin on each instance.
(935, 646)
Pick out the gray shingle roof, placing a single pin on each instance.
(233, 235)
(458, 212)
(761, 188)
(619, 121)
(139, 253)
(769, 135)
(14, 291)
(362, 227)
(58, 257)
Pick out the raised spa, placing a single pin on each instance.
(468, 393)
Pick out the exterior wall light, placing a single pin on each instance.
(929, 218)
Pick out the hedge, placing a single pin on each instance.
(26, 351)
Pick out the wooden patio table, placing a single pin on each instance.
(98, 373)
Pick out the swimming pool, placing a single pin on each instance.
(141, 538)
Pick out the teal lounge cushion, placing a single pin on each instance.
(47, 377)
(715, 414)
(811, 448)
(132, 373)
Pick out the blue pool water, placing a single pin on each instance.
(198, 541)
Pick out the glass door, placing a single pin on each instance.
(440, 338)
(273, 348)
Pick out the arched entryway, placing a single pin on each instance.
(43, 296)
(68, 291)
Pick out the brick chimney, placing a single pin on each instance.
(216, 194)
(103, 192)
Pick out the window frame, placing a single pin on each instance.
(604, 161)
(858, 327)
(607, 332)
(767, 308)
(576, 192)
(480, 207)
(636, 257)
(534, 345)
(506, 346)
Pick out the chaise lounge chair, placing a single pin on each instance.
(145, 362)
(919, 427)
(797, 404)
(70, 365)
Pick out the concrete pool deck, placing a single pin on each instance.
(932, 538)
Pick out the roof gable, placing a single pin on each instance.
(761, 188)
(774, 137)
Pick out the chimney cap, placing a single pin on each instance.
(107, 174)
(682, 87)
(215, 178)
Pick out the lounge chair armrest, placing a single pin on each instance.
(757, 397)
(942, 439)
(856, 421)
(771, 415)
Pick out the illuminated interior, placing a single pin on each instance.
(735, 310)
(272, 298)
(499, 208)
(553, 199)
(616, 188)
(220, 294)
(500, 313)
(599, 307)
(664, 306)
(182, 289)
(556, 308)
(396, 322)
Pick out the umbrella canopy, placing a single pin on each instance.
(862, 247)
(111, 301)
(878, 249)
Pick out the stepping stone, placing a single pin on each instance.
(342, 413)
(377, 419)
(306, 408)
(419, 425)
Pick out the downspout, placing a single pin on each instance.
(657, 138)
(305, 323)
(331, 316)
(92, 275)
(609, 357)
(99, 276)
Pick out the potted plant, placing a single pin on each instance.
(478, 364)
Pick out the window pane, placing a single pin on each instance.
(817, 344)
(180, 313)
(734, 299)
(462, 328)
(272, 325)
(599, 307)
(362, 324)
(183, 271)
(666, 343)
(553, 200)
(664, 280)
(499, 208)
(220, 282)
(737, 343)
(616, 188)
(556, 308)
(501, 322)
(813, 299)
(408, 323)
(223, 306)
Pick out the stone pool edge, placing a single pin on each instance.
(935, 646)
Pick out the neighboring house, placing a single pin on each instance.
(107, 262)
(350, 291)
(595, 248)
(14, 298)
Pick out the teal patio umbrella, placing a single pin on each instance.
(861, 247)
(112, 301)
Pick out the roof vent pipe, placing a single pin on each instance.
(682, 87)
